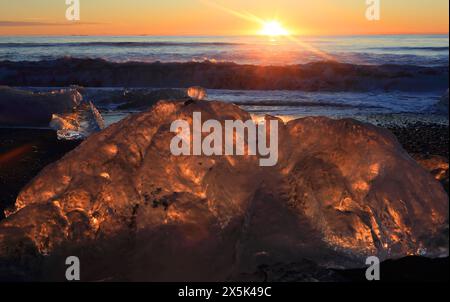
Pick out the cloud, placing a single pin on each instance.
(33, 23)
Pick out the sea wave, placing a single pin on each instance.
(271, 103)
(411, 48)
(117, 44)
(317, 76)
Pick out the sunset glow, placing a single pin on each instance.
(220, 17)
(273, 28)
(221, 142)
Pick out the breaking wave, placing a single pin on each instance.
(300, 104)
(318, 76)
(411, 48)
(117, 44)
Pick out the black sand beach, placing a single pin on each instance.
(422, 138)
(428, 145)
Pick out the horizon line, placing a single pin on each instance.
(223, 35)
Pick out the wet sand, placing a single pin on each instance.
(422, 138)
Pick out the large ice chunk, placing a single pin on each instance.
(341, 191)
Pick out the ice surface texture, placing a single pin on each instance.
(341, 191)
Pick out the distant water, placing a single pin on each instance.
(423, 50)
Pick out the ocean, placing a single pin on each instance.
(230, 68)
(422, 50)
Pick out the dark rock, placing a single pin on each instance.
(26, 109)
(142, 99)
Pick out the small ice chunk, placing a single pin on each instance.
(79, 124)
(197, 93)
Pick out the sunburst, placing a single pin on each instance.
(273, 29)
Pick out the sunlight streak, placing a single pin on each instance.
(270, 28)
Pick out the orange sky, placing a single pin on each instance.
(196, 17)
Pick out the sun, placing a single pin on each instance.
(273, 28)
